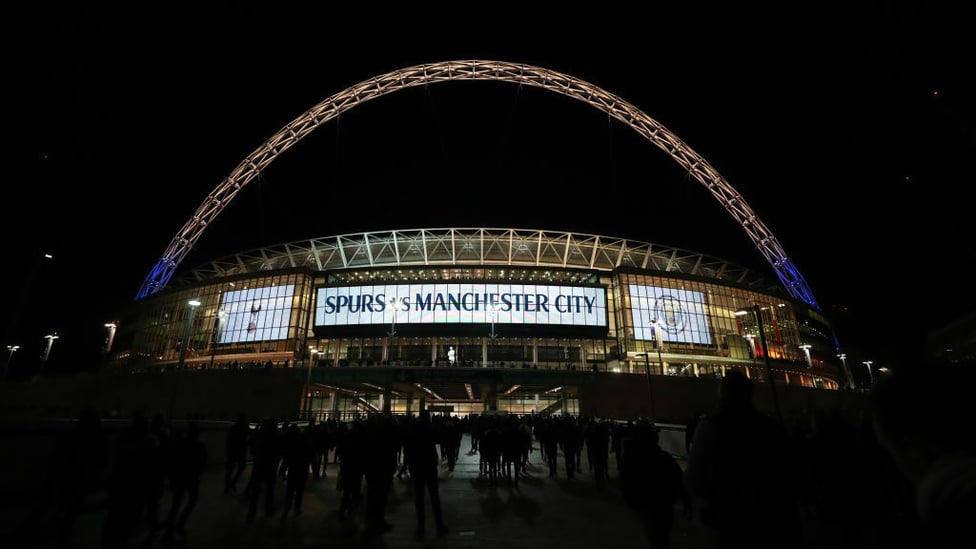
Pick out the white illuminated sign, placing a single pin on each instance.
(680, 313)
(461, 304)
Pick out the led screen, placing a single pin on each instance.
(681, 314)
(259, 314)
(473, 303)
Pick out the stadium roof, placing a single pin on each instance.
(475, 247)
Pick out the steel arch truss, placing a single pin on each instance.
(529, 75)
(460, 247)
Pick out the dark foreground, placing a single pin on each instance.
(541, 512)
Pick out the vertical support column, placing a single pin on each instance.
(484, 352)
(537, 403)
(433, 352)
(535, 352)
(333, 405)
(386, 399)
(491, 398)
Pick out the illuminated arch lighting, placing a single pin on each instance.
(421, 75)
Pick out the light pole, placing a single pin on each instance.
(389, 352)
(847, 371)
(658, 341)
(756, 312)
(650, 386)
(216, 333)
(193, 303)
(38, 260)
(112, 326)
(47, 350)
(10, 357)
(806, 354)
(494, 315)
(313, 353)
(868, 363)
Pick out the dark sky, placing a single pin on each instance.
(849, 132)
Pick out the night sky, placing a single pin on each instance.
(849, 132)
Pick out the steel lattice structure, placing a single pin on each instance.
(476, 247)
(421, 75)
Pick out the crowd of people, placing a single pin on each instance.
(900, 473)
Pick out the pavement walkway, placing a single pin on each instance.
(541, 513)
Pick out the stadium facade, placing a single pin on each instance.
(403, 319)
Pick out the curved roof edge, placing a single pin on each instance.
(475, 246)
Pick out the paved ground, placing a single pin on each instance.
(542, 512)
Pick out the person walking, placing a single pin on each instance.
(351, 452)
(236, 442)
(380, 466)
(297, 456)
(924, 420)
(651, 483)
(266, 451)
(739, 470)
(420, 454)
(189, 461)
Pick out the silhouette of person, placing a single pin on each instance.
(651, 483)
(738, 470)
(420, 454)
(236, 442)
(351, 453)
(129, 482)
(157, 469)
(266, 451)
(690, 431)
(297, 456)
(597, 437)
(76, 464)
(189, 461)
(380, 466)
(924, 419)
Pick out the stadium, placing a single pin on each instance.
(475, 320)
(537, 305)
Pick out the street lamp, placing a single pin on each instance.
(47, 350)
(389, 352)
(494, 317)
(10, 357)
(657, 341)
(806, 354)
(308, 382)
(868, 363)
(216, 334)
(38, 260)
(112, 326)
(756, 312)
(650, 387)
(847, 371)
(193, 303)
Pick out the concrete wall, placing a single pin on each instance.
(677, 399)
(222, 394)
(215, 395)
